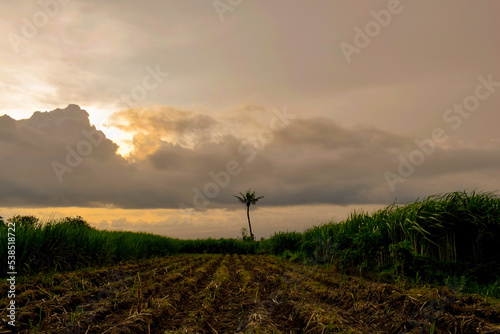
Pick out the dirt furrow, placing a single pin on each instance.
(272, 306)
(138, 303)
(183, 308)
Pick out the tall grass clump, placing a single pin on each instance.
(71, 243)
(455, 231)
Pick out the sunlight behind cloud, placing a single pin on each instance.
(149, 128)
(101, 118)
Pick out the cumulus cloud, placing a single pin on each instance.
(191, 160)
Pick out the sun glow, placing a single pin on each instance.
(100, 118)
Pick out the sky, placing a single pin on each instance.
(150, 116)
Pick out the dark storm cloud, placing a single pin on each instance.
(58, 158)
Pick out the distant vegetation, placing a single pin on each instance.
(446, 238)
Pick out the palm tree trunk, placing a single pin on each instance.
(250, 225)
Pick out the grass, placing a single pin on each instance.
(446, 239)
(61, 246)
(71, 243)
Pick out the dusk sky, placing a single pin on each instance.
(150, 115)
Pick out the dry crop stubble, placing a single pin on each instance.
(239, 294)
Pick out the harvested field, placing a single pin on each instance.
(236, 294)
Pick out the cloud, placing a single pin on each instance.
(187, 158)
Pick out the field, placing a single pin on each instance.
(236, 294)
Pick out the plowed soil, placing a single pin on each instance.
(235, 294)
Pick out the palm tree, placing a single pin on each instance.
(248, 199)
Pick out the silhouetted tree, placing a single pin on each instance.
(25, 221)
(249, 199)
(78, 221)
